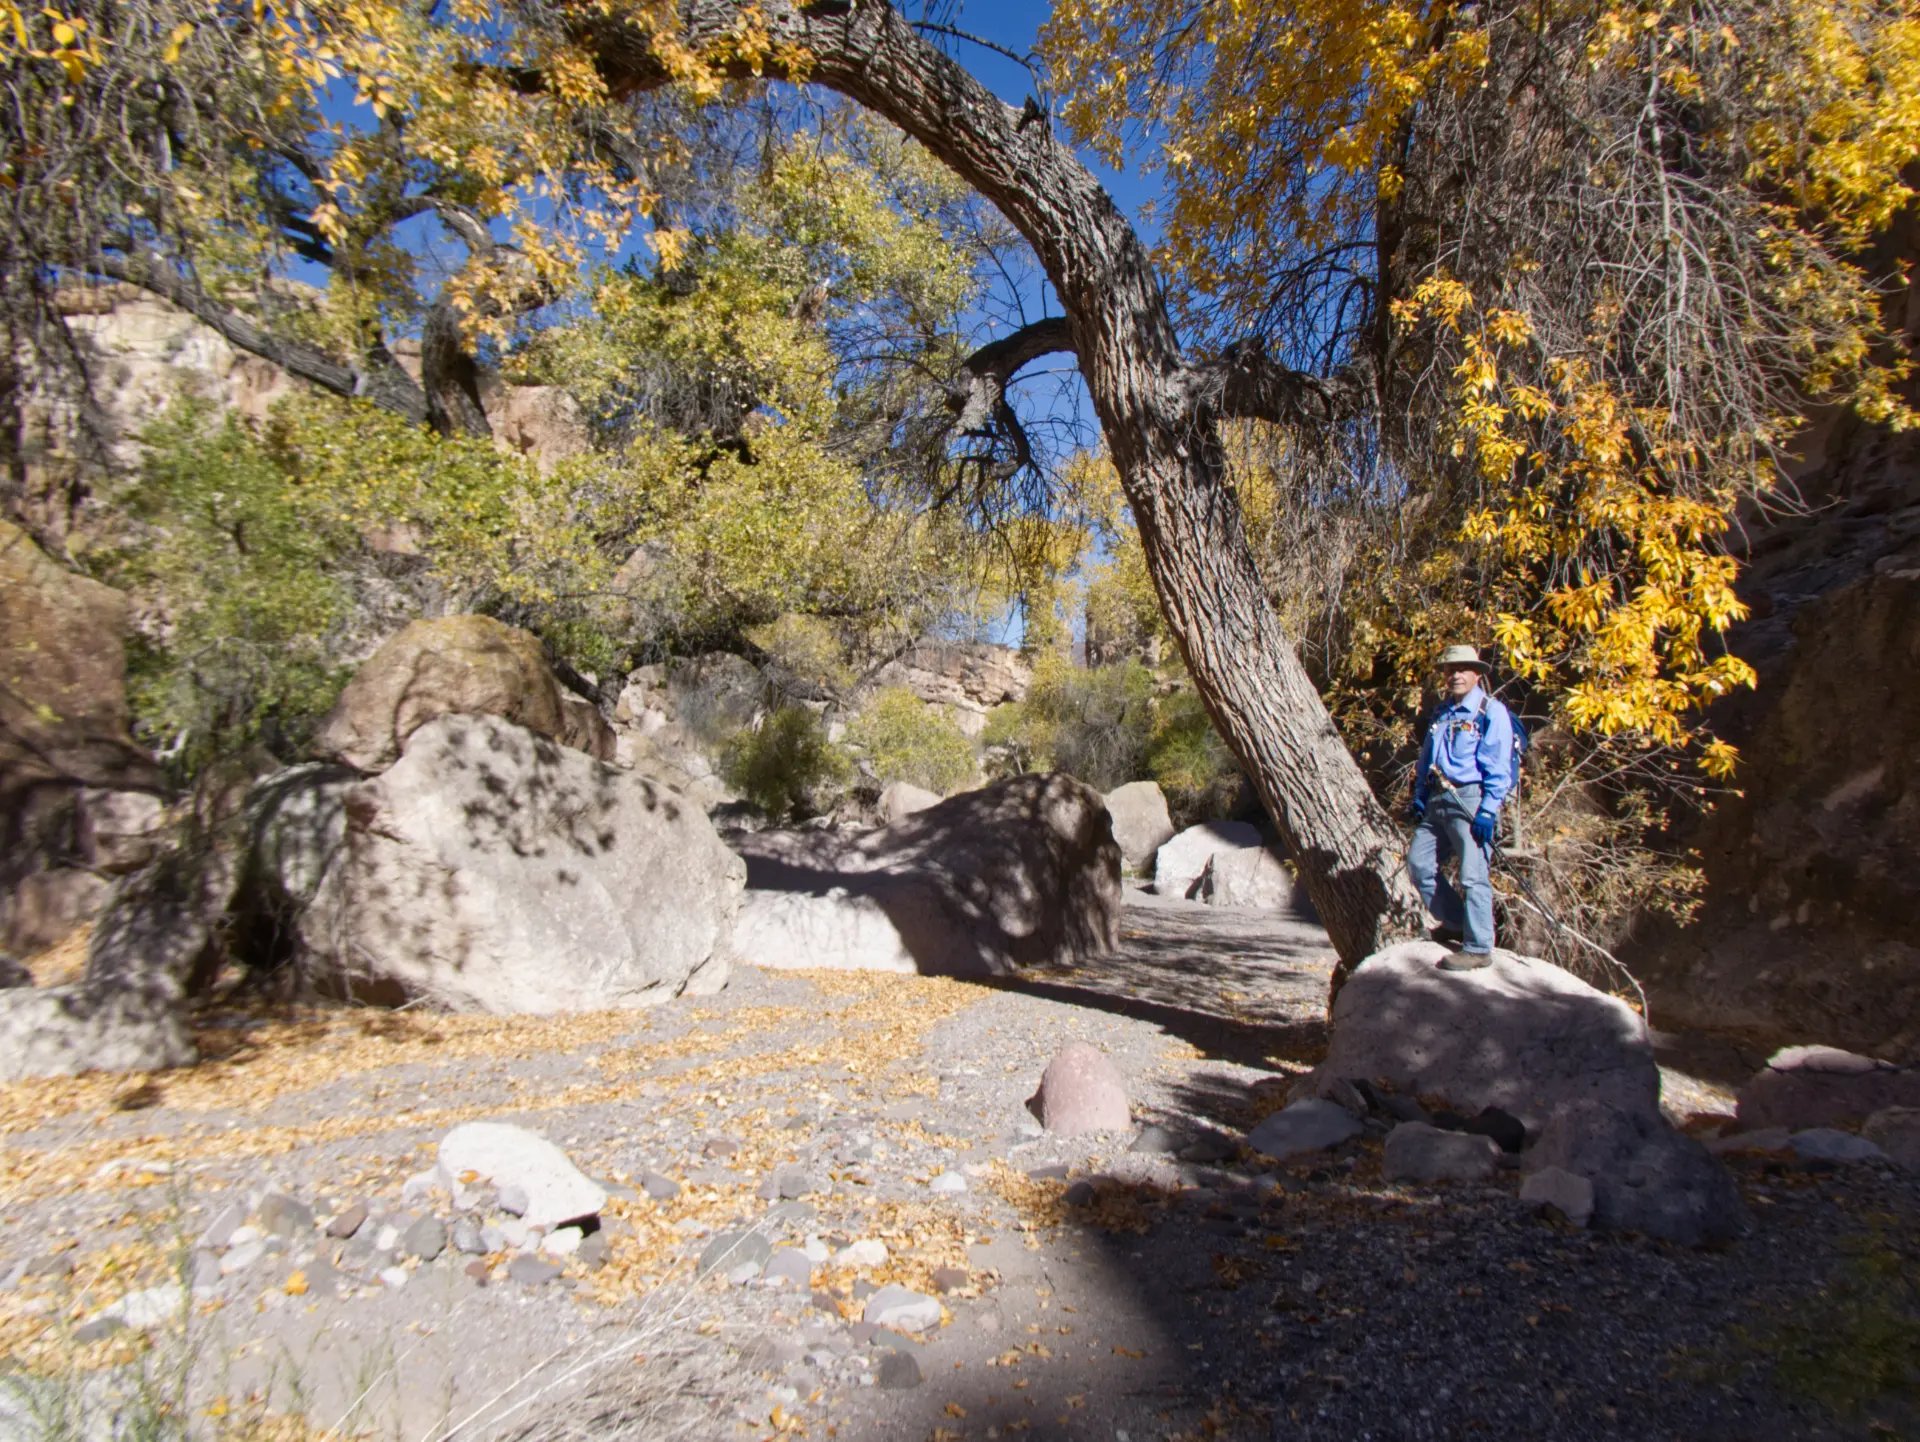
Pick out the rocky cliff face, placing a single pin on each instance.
(1808, 931)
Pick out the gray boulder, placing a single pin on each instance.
(1313, 1125)
(1141, 823)
(1020, 873)
(494, 870)
(1828, 1144)
(1416, 1152)
(902, 799)
(1822, 1086)
(1567, 1194)
(1573, 1064)
(1224, 863)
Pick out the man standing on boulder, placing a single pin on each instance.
(1464, 773)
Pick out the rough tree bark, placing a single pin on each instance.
(1157, 408)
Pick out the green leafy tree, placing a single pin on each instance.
(905, 739)
(786, 766)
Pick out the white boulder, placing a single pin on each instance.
(1141, 823)
(555, 1191)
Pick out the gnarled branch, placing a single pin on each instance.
(1243, 382)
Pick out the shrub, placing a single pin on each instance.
(1190, 761)
(786, 766)
(905, 739)
(1094, 724)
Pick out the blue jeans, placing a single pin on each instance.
(1447, 829)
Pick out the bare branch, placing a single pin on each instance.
(1244, 383)
(978, 395)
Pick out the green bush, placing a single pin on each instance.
(1190, 761)
(905, 739)
(786, 766)
(1093, 724)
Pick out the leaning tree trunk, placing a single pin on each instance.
(1159, 413)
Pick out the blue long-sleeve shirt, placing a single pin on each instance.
(1463, 755)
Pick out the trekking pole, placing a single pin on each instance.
(1539, 908)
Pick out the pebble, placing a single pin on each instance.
(950, 1279)
(394, 1277)
(219, 1235)
(661, 1189)
(947, 1184)
(513, 1198)
(592, 1252)
(470, 1238)
(1566, 1193)
(1080, 1194)
(898, 1371)
(425, 1239)
(1416, 1152)
(387, 1238)
(562, 1242)
(730, 1249)
(285, 1216)
(507, 1234)
(151, 1307)
(742, 1273)
(1208, 1148)
(239, 1258)
(789, 1266)
(422, 1185)
(479, 1271)
(868, 1252)
(345, 1224)
(242, 1237)
(1157, 1140)
(816, 1250)
(719, 1147)
(532, 1271)
(902, 1309)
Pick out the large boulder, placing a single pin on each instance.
(1575, 1065)
(1141, 824)
(1225, 863)
(64, 740)
(490, 869)
(1020, 873)
(966, 679)
(1822, 1086)
(454, 665)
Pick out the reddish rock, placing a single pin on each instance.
(1082, 1091)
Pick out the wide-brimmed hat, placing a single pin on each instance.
(1462, 656)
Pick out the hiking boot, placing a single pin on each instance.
(1467, 961)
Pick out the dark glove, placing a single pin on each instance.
(1483, 824)
(1417, 810)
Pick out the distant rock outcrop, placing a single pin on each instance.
(966, 678)
(1020, 873)
(77, 797)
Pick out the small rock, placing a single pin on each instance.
(285, 1216)
(950, 1279)
(816, 1250)
(1826, 1144)
(49, 1264)
(592, 1252)
(422, 1185)
(1506, 1129)
(1052, 1172)
(902, 1309)
(562, 1241)
(1307, 1126)
(719, 1148)
(532, 1271)
(219, 1234)
(425, 1239)
(468, 1237)
(1569, 1195)
(1208, 1148)
(742, 1273)
(479, 1271)
(1416, 1152)
(861, 1333)
(661, 1189)
(1157, 1140)
(791, 1183)
(947, 1184)
(511, 1234)
(513, 1199)
(1896, 1131)
(824, 1302)
(203, 1272)
(1080, 1194)
(730, 1249)
(149, 1308)
(863, 1289)
(345, 1224)
(789, 1213)
(98, 1329)
(789, 1266)
(1081, 1091)
(241, 1236)
(394, 1278)
(868, 1252)
(1767, 1139)
(239, 1258)
(898, 1371)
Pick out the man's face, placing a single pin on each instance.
(1460, 681)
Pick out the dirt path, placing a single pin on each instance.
(1192, 1298)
